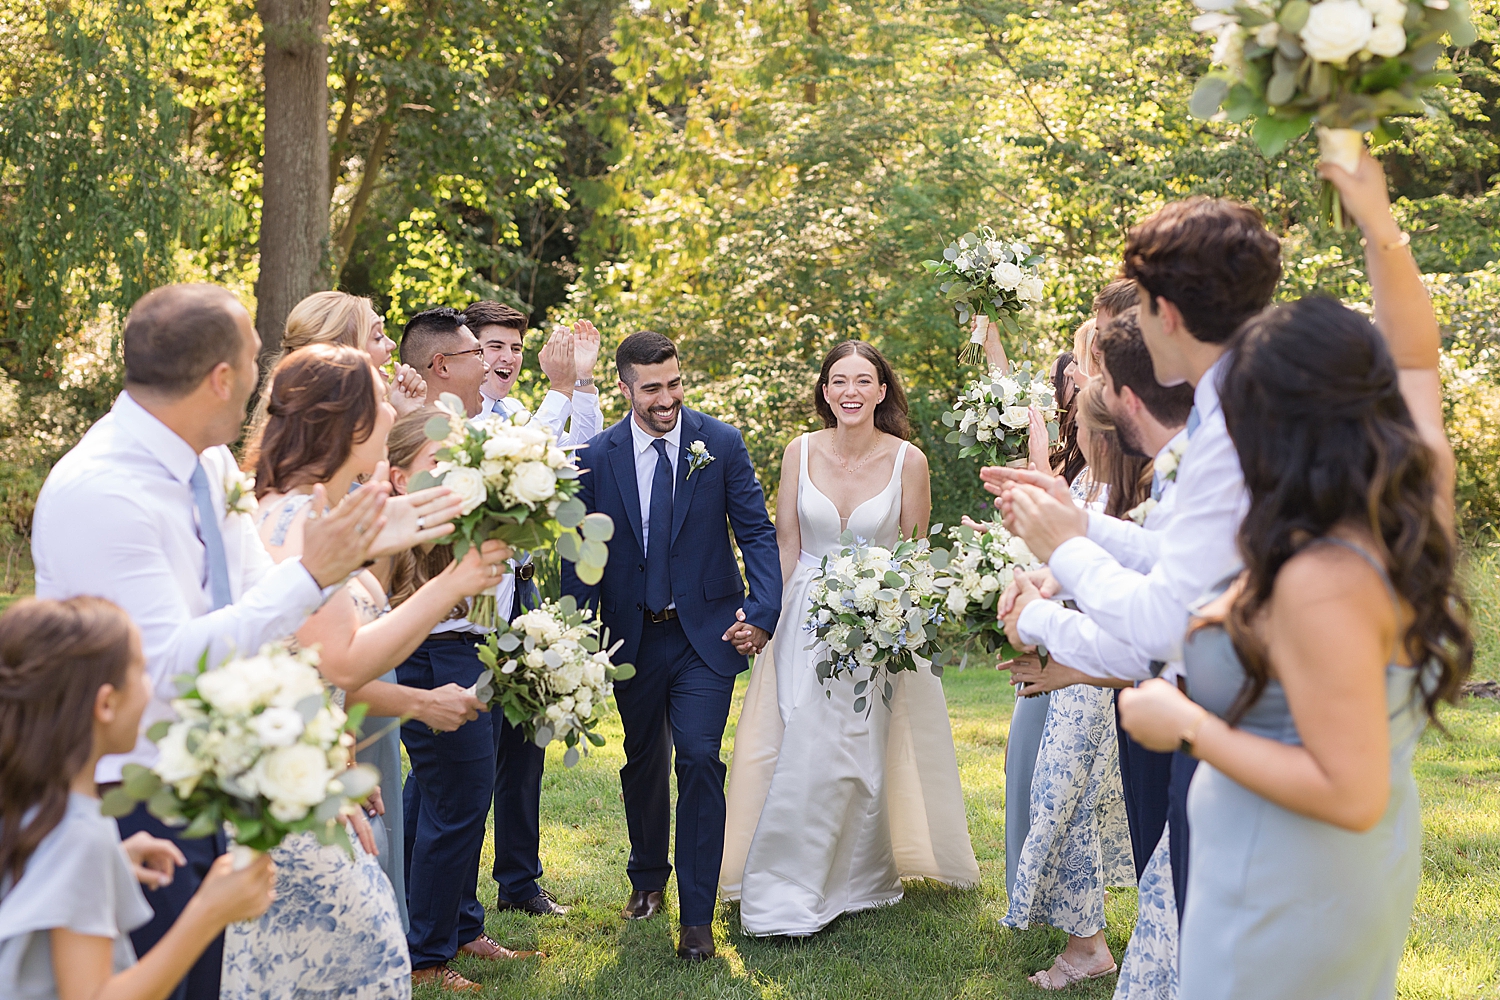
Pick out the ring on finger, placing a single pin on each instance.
(494, 570)
(359, 529)
(421, 522)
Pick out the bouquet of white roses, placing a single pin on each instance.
(875, 610)
(981, 565)
(515, 485)
(991, 418)
(1345, 65)
(550, 672)
(988, 275)
(259, 746)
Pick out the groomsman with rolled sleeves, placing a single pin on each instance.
(1202, 267)
(136, 513)
(570, 409)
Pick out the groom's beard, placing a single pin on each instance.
(658, 419)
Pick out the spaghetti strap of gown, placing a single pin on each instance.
(828, 810)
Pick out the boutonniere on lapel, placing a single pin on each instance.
(239, 493)
(698, 458)
(1166, 472)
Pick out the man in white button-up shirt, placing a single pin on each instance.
(1203, 266)
(136, 513)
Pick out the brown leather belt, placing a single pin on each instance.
(656, 618)
(526, 571)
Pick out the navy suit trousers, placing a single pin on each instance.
(1183, 766)
(518, 805)
(675, 701)
(168, 902)
(1144, 776)
(446, 800)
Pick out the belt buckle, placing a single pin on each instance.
(525, 571)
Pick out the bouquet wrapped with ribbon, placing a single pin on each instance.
(551, 672)
(983, 274)
(1346, 66)
(258, 747)
(516, 485)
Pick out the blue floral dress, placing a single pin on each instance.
(1149, 969)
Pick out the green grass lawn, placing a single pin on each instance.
(943, 943)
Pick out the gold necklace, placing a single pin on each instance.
(847, 469)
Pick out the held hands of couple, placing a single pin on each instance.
(748, 639)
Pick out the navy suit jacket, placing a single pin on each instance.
(706, 581)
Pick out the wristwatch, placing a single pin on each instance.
(584, 383)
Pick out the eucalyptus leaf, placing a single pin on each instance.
(568, 545)
(571, 757)
(423, 480)
(543, 736)
(598, 527)
(571, 512)
(116, 803)
(437, 428)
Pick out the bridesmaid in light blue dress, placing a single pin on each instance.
(1316, 671)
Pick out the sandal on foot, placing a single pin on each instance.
(1071, 974)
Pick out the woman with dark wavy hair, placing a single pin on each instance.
(1314, 673)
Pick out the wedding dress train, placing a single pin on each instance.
(829, 809)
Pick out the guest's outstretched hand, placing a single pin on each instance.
(1042, 520)
(336, 543)
(558, 360)
(152, 858)
(413, 518)
(585, 349)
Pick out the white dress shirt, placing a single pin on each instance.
(645, 471)
(116, 519)
(553, 414)
(1150, 611)
(1076, 639)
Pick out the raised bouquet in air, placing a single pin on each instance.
(258, 746)
(550, 672)
(991, 418)
(516, 485)
(983, 274)
(1346, 66)
(981, 565)
(875, 611)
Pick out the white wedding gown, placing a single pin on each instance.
(830, 809)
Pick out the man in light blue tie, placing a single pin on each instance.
(137, 513)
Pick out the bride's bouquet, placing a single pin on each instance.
(258, 746)
(991, 418)
(515, 485)
(551, 673)
(1345, 65)
(981, 565)
(984, 274)
(875, 611)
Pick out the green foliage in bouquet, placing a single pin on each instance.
(992, 418)
(550, 671)
(989, 276)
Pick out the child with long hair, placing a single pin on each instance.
(72, 689)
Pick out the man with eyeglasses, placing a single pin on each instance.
(439, 344)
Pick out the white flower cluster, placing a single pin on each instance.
(992, 418)
(985, 274)
(508, 461)
(239, 492)
(981, 565)
(1001, 264)
(1331, 31)
(874, 608)
(259, 727)
(572, 680)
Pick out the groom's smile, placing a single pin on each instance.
(655, 393)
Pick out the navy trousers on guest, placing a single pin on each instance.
(446, 800)
(1183, 766)
(675, 701)
(1144, 776)
(168, 902)
(518, 806)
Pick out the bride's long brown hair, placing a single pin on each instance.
(890, 412)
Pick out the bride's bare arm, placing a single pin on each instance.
(788, 531)
(916, 493)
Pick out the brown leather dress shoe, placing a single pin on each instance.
(445, 978)
(490, 950)
(643, 904)
(695, 944)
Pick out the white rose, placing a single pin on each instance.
(536, 659)
(297, 775)
(1229, 49)
(278, 727)
(866, 653)
(293, 681)
(1387, 40)
(989, 582)
(1386, 11)
(1029, 289)
(1268, 34)
(1019, 552)
(957, 600)
(325, 727)
(533, 482)
(1016, 417)
(226, 690)
(504, 443)
(557, 458)
(468, 486)
(1336, 30)
(288, 812)
(494, 473)
(175, 762)
(1006, 275)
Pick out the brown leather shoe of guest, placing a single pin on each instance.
(490, 950)
(445, 978)
(644, 904)
(696, 944)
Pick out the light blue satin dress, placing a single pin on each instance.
(1280, 905)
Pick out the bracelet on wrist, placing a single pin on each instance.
(1403, 240)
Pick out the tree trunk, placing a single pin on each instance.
(294, 189)
(810, 87)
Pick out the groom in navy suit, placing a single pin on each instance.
(675, 481)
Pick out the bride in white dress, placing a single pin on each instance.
(829, 809)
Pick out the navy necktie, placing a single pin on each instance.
(659, 542)
(213, 542)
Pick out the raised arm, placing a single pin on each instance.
(1403, 312)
